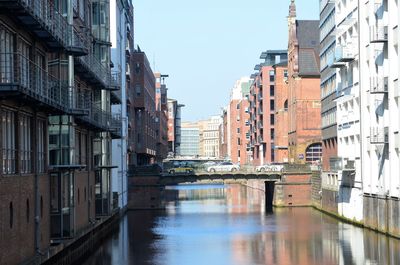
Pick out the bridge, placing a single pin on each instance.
(217, 177)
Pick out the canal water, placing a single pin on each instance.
(216, 224)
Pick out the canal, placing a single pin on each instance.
(216, 224)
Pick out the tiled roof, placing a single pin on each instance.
(308, 40)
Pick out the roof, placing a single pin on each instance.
(308, 41)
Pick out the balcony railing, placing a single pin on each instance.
(115, 80)
(379, 85)
(379, 135)
(46, 23)
(378, 34)
(77, 44)
(102, 120)
(19, 75)
(344, 53)
(96, 71)
(260, 111)
(116, 97)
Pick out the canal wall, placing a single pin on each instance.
(76, 250)
(145, 193)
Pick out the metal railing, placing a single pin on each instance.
(18, 73)
(94, 66)
(379, 85)
(379, 135)
(344, 53)
(378, 33)
(115, 80)
(76, 42)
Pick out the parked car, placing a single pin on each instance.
(180, 170)
(224, 166)
(274, 167)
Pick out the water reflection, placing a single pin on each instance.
(227, 225)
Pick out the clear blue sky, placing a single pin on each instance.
(206, 45)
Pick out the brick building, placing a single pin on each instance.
(162, 117)
(57, 126)
(304, 101)
(144, 104)
(238, 124)
(281, 113)
(262, 107)
(174, 127)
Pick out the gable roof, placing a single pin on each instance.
(307, 33)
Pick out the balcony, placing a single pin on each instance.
(379, 135)
(260, 139)
(101, 120)
(260, 111)
(22, 78)
(344, 54)
(46, 23)
(260, 96)
(379, 85)
(341, 164)
(93, 71)
(260, 125)
(115, 97)
(378, 34)
(77, 44)
(259, 83)
(115, 81)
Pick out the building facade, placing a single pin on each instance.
(262, 107)
(190, 141)
(174, 127)
(281, 122)
(162, 118)
(122, 42)
(304, 101)
(57, 125)
(144, 105)
(239, 123)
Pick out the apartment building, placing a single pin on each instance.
(238, 124)
(262, 107)
(122, 43)
(223, 136)
(174, 126)
(190, 141)
(144, 105)
(281, 122)
(379, 113)
(57, 126)
(162, 117)
(210, 137)
(304, 100)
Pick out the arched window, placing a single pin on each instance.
(286, 105)
(11, 215)
(314, 153)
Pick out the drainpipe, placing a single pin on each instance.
(71, 95)
(360, 81)
(37, 197)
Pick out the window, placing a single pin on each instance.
(25, 141)
(286, 105)
(27, 210)
(6, 56)
(314, 152)
(11, 210)
(272, 105)
(138, 89)
(9, 144)
(82, 4)
(285, 74)
(272, 119)
(271, 76)
(272, 91)
(41, 146)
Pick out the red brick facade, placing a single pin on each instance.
(281, 114)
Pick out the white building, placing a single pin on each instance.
(379, 67)
(368, 121)
(121, 17)
(211, 137)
